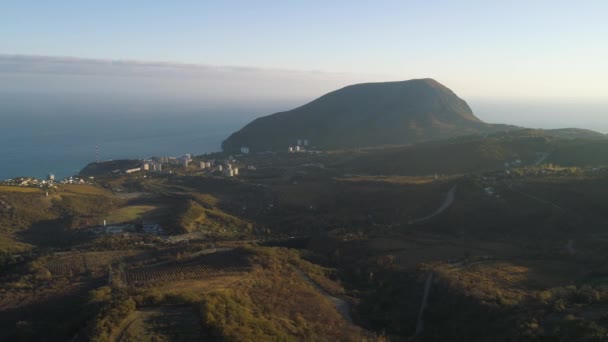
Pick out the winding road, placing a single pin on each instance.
(425, 299)
(449, 200)
(341, 305)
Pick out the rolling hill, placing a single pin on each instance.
(370, 114)
(475, 153)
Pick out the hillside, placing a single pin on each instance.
(370, 114)
(106, 168)
(565, 147)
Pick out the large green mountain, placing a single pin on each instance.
(369, 114)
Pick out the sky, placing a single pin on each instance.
(544, 49)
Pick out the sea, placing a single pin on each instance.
(42, 134)
(62, 146)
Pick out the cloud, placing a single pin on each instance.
(22, 73)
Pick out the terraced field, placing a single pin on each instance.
(76, 263)
(215, 265)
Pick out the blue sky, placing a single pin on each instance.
(546, 49)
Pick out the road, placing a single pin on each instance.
(341, 305)
(425, 299)
(535, 198)
(570, 247)
(542, 158)
(449, 200)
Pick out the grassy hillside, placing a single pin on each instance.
(473, 154)
(270, 302)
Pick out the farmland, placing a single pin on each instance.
(20, 189)
(130, 213)
(531, 251)
(76, 263)
(216, 265)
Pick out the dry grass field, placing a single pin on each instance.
(162, 323)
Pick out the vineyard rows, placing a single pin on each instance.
(81, 262)
(179, 272)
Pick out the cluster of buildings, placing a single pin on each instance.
(75, 180)
(230, 170)
(44, 183)
(515, 163)
(226, 168)
(155, 164)
(149, 228)
(28, 181)
(300, 146)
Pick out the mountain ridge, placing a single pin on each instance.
(366, 114)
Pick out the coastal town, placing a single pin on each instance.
(214, 164)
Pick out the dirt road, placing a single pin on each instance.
(341, 305)
(449, 200)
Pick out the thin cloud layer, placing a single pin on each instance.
(42, 74)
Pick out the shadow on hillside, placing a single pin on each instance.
(51, 233)
(54, 318)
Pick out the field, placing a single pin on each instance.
(178, 272)
(406, 253)
(76, 263)
(9, 245)
(208, 266)
(130, 213)
(391, 179)
(164, 323)
(9, 188)
(82, 189)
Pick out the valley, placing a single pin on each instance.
(391, 256)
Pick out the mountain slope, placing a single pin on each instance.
(369, 114)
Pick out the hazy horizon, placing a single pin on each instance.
(42, 85)
(56, 128)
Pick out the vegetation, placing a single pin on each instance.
(519, 254)
(112, 307)
(200, 214)
(371, 114)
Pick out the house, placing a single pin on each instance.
(152, 228)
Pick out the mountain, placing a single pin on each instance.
(369, 114)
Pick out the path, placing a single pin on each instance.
(118, 333)
(570, 247)
(425, 299)
(542, 158)
(341, 305)
(449, 200)
(535, 198)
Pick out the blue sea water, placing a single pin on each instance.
(64, 144)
